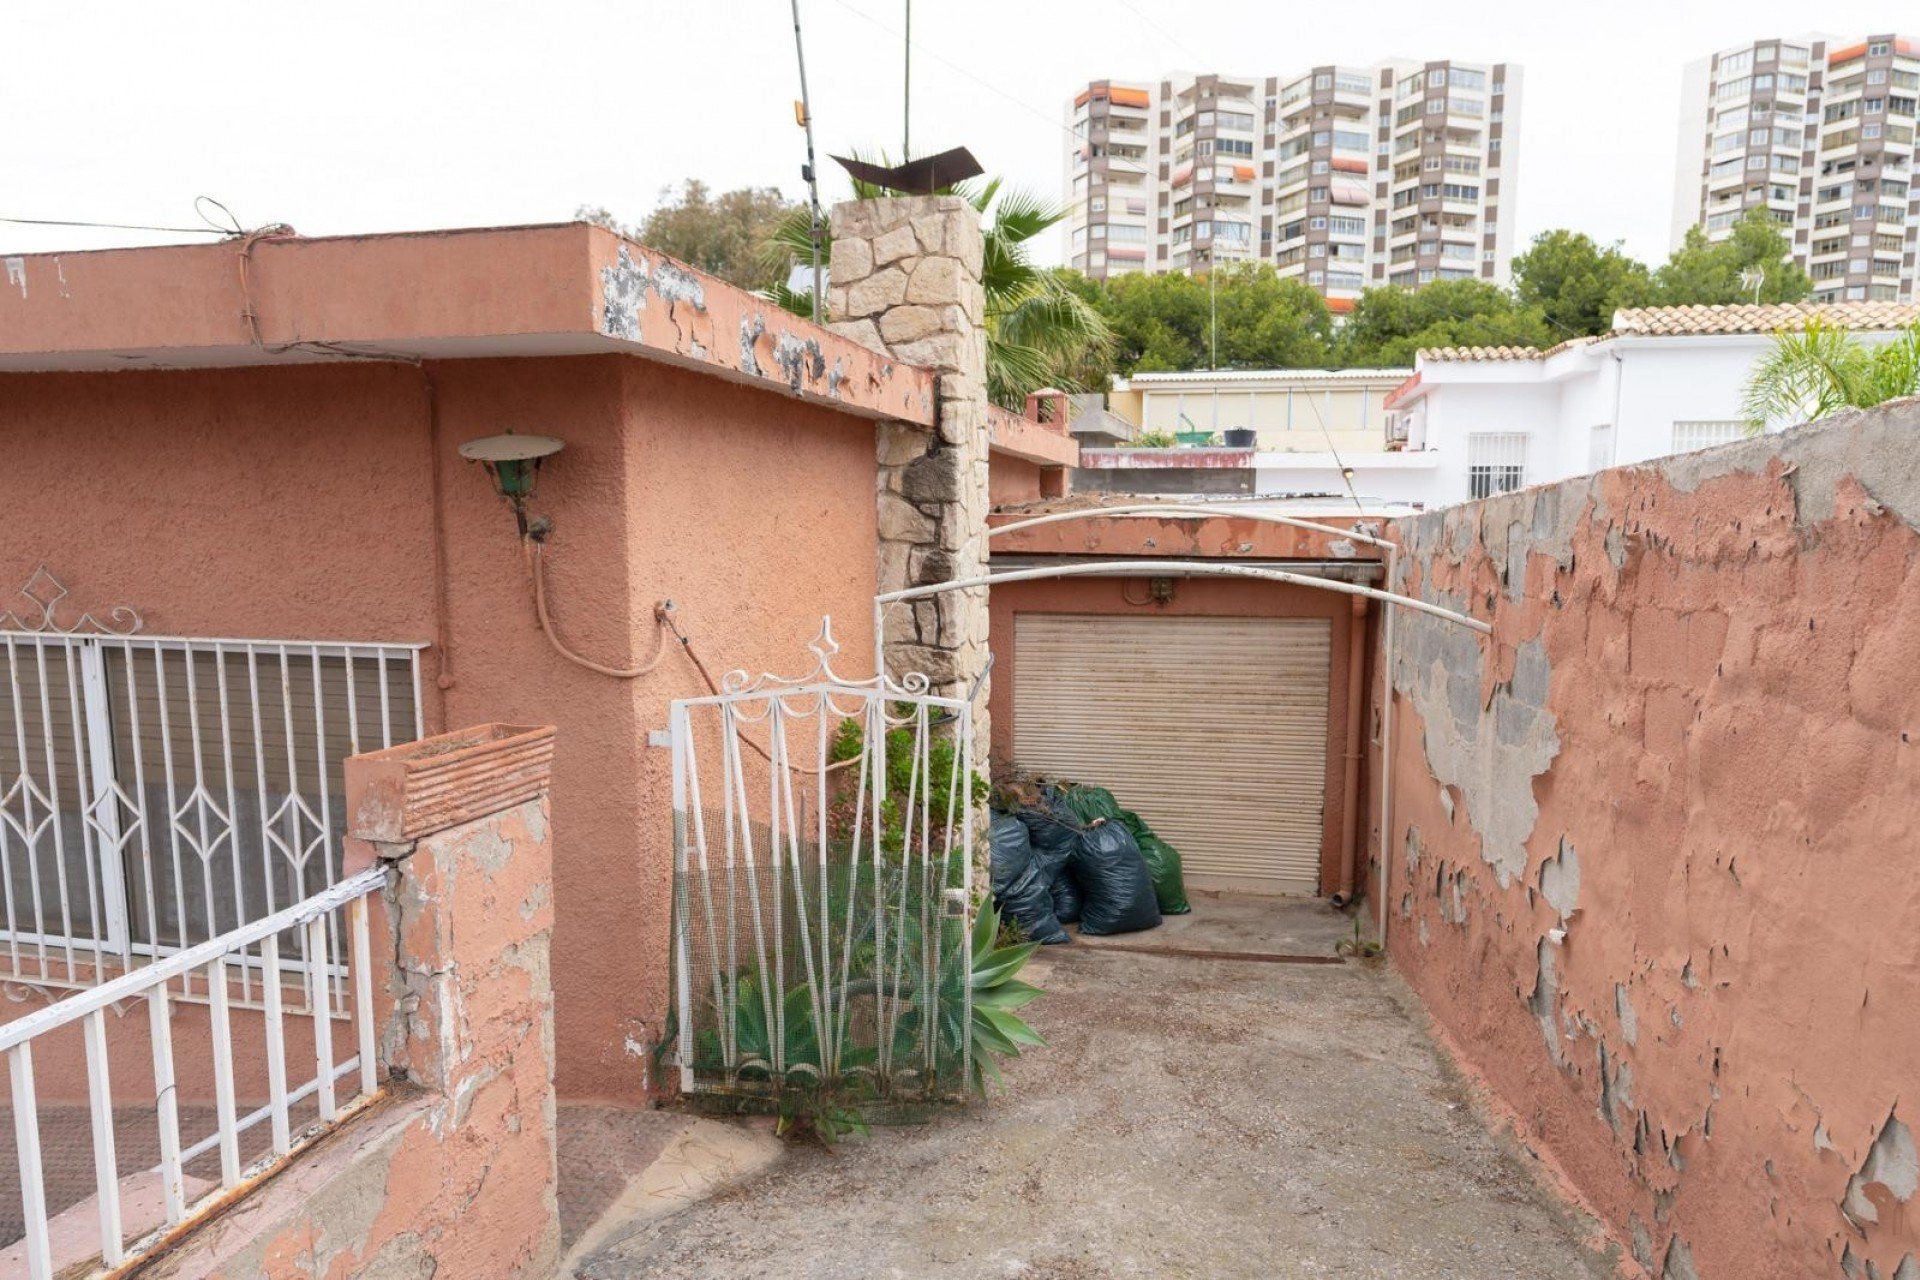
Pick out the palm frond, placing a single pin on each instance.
(1807, 374)
(1022, 215)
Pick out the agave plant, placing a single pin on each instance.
(1038, 331)
(1822, 368)
(996, 1030)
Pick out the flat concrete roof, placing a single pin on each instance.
(274, 297)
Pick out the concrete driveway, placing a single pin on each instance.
(1190, 1117)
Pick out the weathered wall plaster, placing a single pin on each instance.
(1651, 840)
(455, 1174)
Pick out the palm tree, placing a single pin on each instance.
(1038, 331)
(1822, 368)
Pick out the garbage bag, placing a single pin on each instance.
(1163, 867)
(1088, 803)
(1111, 873)
(1020, 888)
(1135, 823)
(1068, 902)
(1055, 834)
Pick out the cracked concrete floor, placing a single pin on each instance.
(1189, 1117)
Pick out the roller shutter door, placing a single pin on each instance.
(1213, 729)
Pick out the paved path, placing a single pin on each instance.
(1190, 1117)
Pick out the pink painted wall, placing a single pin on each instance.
(453, 1171)
(295, 502)
(1690, 744)
(1192, 597)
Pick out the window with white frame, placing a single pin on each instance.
(1496, 463)
(157, 792)
(1704, 433)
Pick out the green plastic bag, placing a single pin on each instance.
(1135, 823)
(1089, 803)
(1163, 866)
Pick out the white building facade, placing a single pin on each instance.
(1665, 380)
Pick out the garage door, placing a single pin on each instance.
(1213, 729)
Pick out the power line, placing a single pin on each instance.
(1176, 40)
(116, 226)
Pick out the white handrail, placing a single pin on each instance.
(150, 983)
(128, 985)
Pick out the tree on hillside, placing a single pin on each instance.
(1821, 368)
(725, 235)
(1040, 333)
(1702, 272)
(1576, 284)
(1390, 324)
(1163, 322)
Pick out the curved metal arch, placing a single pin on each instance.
(1191, 511)
(884, 600)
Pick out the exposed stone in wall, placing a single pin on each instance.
(905, 280)
(1650, 839)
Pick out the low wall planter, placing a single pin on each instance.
(403, 793)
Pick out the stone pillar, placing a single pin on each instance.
(905, 281)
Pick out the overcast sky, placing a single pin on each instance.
(349, 117)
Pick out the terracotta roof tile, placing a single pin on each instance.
(1704, 321)
(1766, 318)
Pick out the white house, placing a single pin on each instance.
(1664, 380)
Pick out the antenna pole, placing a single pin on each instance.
(906, 90)
(815, 231)
(1213, 316)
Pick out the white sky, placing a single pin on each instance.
(349, 117)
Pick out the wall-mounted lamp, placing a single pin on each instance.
(512, 461)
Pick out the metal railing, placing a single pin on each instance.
(247, 959)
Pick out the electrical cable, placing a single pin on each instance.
(537, 557)
(114, 226)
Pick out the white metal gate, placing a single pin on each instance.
(157, 792)
(822, 829)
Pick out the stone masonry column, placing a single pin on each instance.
(905, 281)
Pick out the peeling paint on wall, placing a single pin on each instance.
(799, 359)
(1664, 805)
(623, 295)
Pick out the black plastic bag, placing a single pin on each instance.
(1068, 902)
(1113, 876)
(1020, 888)
(1055, 834)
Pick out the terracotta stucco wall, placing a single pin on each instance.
(1192, 597)
(1652, 848)
(295, 503)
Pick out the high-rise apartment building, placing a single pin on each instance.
(1344, 177)
(1820, 133)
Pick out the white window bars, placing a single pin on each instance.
(160, 791)
(1496, 463)
(217, 962)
